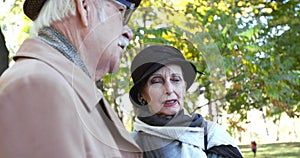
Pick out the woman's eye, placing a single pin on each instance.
(176, 79)
(156, 80)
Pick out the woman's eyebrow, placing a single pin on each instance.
(177, 74)
(155, 74)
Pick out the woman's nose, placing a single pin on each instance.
(169, 87)
(127, 32)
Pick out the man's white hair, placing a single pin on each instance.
(53, 10)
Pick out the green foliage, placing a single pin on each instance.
(258, 42)
(14, 24)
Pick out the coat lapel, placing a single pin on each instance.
(83, 85)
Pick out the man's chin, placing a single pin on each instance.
(97, 78)
(100, 75)
(115, 68)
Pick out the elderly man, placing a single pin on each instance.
(49, 104)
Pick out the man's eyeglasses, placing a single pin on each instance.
(129, 9)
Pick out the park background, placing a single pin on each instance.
(249, 53)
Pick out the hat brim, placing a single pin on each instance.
(136, 2)
(32, 8)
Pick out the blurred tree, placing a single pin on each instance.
(3, 54)
(258, 42)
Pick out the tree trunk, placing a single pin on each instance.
(3, 54)
(213, 111)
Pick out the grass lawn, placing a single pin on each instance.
(285, 150)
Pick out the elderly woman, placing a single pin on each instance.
(161, 77)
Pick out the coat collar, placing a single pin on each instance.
(82, 84)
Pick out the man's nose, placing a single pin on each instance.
(127, 32)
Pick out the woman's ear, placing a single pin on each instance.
(141, 99)
(83, 11)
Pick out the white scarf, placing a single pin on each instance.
(192, 138)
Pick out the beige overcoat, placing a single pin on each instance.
(48, 109)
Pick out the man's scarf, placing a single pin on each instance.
(59, 42)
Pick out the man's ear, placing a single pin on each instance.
(83, 11)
